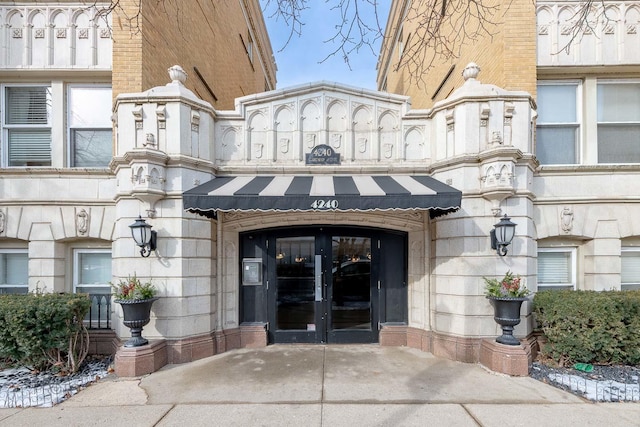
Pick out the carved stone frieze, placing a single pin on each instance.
(3, 221)
(497, 182)
(83, 33)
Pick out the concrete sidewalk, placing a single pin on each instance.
(293, 385)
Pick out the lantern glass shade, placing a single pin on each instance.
(505, 230)
(502, 235)
(141, 232)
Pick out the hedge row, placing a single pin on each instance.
(43, 330)
(589, 326)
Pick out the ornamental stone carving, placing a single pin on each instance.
(3, 220)
(82, 222)
(497, 183)
(566, 219)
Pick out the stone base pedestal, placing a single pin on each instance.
(393, 335)
(253, 335)
(137, 361)
(103, 341)
(507, 359)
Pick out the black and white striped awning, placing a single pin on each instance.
(304, 193)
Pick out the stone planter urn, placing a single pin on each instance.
(136, 313)
(506, 313)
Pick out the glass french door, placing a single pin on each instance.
(324, 289)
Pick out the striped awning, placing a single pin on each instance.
(305, 193)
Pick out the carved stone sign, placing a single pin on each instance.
(322, 155)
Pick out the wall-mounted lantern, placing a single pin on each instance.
(144, 236)
(502, 235)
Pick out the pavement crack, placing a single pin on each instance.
(471, 415)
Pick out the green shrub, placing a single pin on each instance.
(589, 326)
(43, 330)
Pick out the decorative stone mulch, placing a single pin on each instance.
(21, 387)
(603, 384)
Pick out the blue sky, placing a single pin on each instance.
(299, 61)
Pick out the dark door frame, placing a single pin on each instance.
(388, 282)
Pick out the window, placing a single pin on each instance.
(27, 126)
(556, 268)
(248, 46)
(618, 122)
(14, 271)
(90, 126)
(630, 268)
(92, 274)
(558, 123)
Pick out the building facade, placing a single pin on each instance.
(61, 66)
(319, 213)
(584, 76)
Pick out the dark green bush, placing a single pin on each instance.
(42, 330)
(589, 326)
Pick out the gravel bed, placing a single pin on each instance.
(603, 384)
(21, 387)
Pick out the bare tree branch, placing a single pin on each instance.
(440, 27)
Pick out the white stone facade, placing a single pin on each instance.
(480, 140)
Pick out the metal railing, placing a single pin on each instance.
(99, 316)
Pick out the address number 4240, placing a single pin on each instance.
(324, 204)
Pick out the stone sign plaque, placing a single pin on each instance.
(322, 155)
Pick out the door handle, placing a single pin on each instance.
(318, 277)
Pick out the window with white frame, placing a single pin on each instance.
(27, 126)
(558, 124)
(556, 268)
(89, 109)
(56, 124)
(14, 271)
(630, 268)
(91, 275)
(618, 122)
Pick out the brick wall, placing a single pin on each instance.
(507, 57)
(203, 34)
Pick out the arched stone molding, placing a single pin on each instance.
(231, 142)
(551, 220)
(415, 146)
(362, 147)
(337, 125)
(284, 127)
(310, 126)
(402, 221)
(257, 136)
(61, 43)
(387, 135)
(629, 227)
